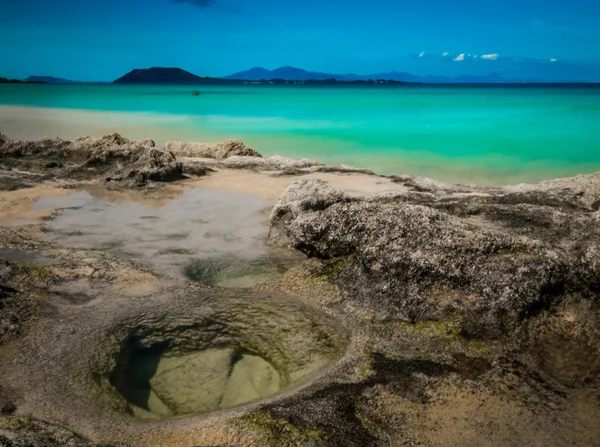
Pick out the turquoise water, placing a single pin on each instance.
(471, 134)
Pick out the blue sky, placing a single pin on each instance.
(103, 39)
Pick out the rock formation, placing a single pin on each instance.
(25, 432)
(433, 314)
(489, 257)
(218, 151)
(137, 164)
(112, 157)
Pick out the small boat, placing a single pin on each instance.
(195, 93)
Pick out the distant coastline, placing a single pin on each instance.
(297, 76)
(18, 81)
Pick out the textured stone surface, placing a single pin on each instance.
(472, 315)
(25, 432)
(111, 157)
(218, 151)
(489, 257)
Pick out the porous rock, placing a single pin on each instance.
(487, 257)
(218, 151)
(29, 432)
(112, 157)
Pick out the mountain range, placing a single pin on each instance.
(165, 75)
(298, 74)
(283, 75)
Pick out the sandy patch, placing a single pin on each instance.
(270, 188)
(18, 203)
(477, 418)
(33, 123)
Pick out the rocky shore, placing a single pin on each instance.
(390, 311)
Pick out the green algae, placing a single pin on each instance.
(36, 271)
(281, 432)
(333, 267)
(449, 331)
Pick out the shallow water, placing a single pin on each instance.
(26, 257)
(197, 382)
(231, 272)
(485, 134)
(201, 223)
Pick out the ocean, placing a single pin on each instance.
(468, 134)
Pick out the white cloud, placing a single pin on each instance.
(553, 59)
(446, 54)
(491, 57)
(422, 54)
(460, 57)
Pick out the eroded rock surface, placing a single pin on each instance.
(432, 315)
(138, 164)
(468, 296)
(20, 287)
(111, 157)
(218, 151)
(24, 432)
(487, 257)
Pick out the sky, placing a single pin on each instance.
(100, 40)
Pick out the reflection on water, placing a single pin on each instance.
(201, 223)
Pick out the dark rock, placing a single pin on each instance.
(8, 409)
(489, 260)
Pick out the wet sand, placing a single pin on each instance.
(271, 188)
(33, 123)
(16, 205)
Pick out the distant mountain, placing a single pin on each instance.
(162, 75)
(48, 80)
(298, 74)
(285, 73)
